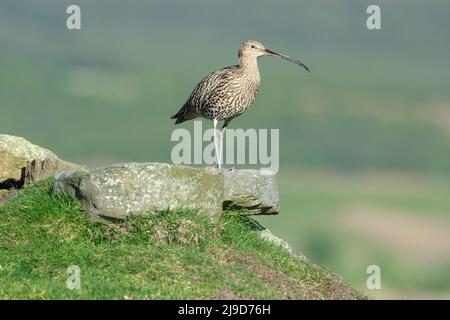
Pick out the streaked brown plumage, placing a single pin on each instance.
(228, 92)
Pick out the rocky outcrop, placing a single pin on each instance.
(17, 154)
(123, 190)
(250, 192)
(40, 169)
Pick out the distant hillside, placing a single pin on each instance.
(376, 100)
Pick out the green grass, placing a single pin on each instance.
(169, 255)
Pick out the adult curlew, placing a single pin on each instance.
(226, 93)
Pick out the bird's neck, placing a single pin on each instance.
(250, 67)
(250, 63)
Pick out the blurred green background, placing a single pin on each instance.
(364, 140)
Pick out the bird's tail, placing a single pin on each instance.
(183, 115)
(178, 117)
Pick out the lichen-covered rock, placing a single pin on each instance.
(123, 190)
(250, 192)
(14, 154)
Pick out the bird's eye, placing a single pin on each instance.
(253, 47)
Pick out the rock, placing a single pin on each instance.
(36, 169)
(15, 152)
(251, 192)
(265, 234)
(124, 190)
(269, 236)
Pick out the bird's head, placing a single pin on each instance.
(252, 49)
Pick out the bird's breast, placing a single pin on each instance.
(230, 94)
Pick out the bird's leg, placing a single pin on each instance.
(222, 134)
(219, 149)
(217, 144)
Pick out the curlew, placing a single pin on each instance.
(228, 92)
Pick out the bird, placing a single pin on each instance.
(228, 92)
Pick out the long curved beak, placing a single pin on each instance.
(284, 57)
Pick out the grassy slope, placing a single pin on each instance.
(165, 256)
